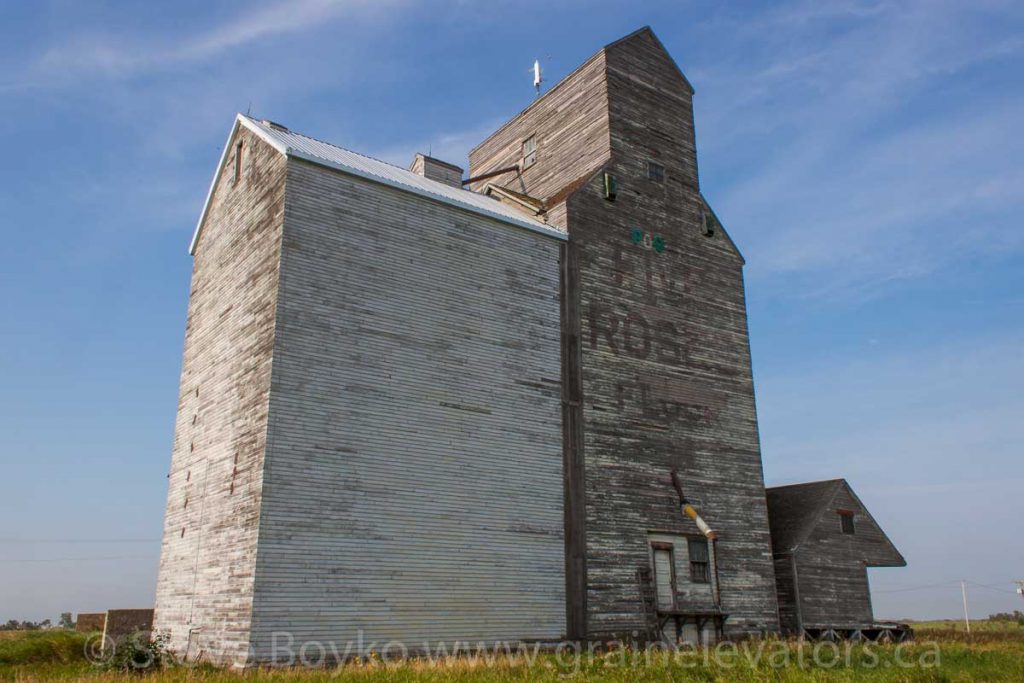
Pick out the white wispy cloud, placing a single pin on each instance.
(101, 54)
(854, 189)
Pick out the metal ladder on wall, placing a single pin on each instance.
(648, 603)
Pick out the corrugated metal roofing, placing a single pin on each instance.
(315, 151)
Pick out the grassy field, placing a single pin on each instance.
(979, 626)
(937, 656)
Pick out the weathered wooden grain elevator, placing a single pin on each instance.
(656, 365)
(518, 407)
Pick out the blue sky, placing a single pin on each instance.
(866, 157)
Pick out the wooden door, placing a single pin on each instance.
(664, 575)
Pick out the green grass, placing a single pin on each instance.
(982, 625)
(940, 656)
(35, 655)
(37, 647)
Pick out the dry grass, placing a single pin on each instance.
(939, 656)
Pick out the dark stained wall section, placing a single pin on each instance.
(785, 582)
(654, 332)
(832, 566)
(821, 572)
(667, 380)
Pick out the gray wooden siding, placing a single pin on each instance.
(659, 340)
(831, 594)
(207, 561)
(832, 566)
(785, 582)
(413, 484)
(570, 123)
(666, 362)
(651, 110)
(869, 544)
(689, 594)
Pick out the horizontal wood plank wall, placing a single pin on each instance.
(832, 595)
(570, 123)
(414, 472)
(832, 566)
(207, 561)
(666, 363)
(785, 583)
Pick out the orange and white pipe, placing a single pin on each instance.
(691, 512)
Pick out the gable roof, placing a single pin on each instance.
(298, 146)
(648, 32)
(644, 31)
(725, 233)
(794, 510)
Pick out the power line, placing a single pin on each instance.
(79, 540)
(918, 588)
(991, 588)
(84, 559)
(944, 584)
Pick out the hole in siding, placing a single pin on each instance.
(183, 532)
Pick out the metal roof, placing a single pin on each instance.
(300, 146)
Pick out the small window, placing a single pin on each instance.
(707, 222)
(529, 151)
(655, 172)
(238, 163)
(700, 566)
(846, 522)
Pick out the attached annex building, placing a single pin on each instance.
(420, 409)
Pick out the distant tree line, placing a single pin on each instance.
(1016, 615)
(15, 625)
(66, 621)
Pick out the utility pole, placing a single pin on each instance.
(1020, 588)
(963, 590)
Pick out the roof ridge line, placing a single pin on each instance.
(336, 146)
(837, 483)
(806, 483)
(311, 150)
